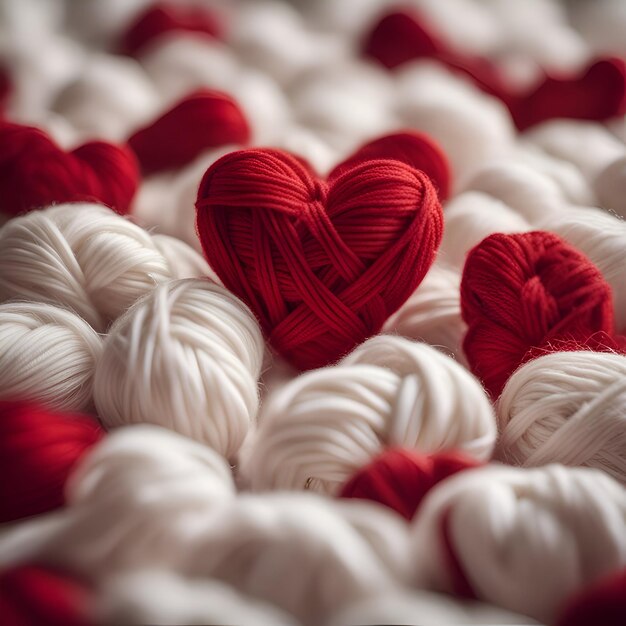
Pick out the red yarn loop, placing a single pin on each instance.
(35, 172)
(522, 294)
(31, 595)
(400, 479)
(415, 149)
(205, 119)
(162, 18)
(322, 265)
(597, 93)
(39, 449)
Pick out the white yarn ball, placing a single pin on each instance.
(610, 187)
(525, 539)
(472, 127)
(324, 425)
(567, 407)
(110, 99)
(81, 256)
(602, 237)
(47, 354)
(163, 597)
(525, 190)
(183, 260)
(187, 357)
(588, 145)
(308, 555)
(136, 500)
(469, 218)
(405, 607)
(433, 313)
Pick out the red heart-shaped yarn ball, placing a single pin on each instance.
(321, 264)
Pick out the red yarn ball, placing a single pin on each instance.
(400, 479)
(322, 265)
(205, 119)
(31, 595)
(415, 149)
(35, 172)
(603, 603)
(522, 293)
(39, 449)
(162, 18)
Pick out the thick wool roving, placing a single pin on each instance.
(567, 407)
(136, 500)
(186, 357)
(323, 426)
(400, 478)
(323, 554)
(433, 312)
(38, 450)
(166, 17)
(48, 355)
(164, 597)
(525, 292)
(96, 171)
(31, 595)
(203, 120)
(322, 265)
(80, 256)
(524, 539)
(602, 237)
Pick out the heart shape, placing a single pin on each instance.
(321, 264)
(36, 172)
(204, 119)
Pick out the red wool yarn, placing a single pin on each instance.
(521, 294)
(38, 450)
(205, 119)
(597, 93)
(321, 264)
(31, 595)
(602, 603)
(415, 149)
(400, 479)
(35, 172)
(162, 18)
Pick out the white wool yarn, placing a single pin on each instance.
(433, 312)
(187, 357)
(324, 425)
(135, 500)
(81, 256)
(525, 539)
(164, 597)
(602, 237)
(111, 97)
(589, 146)
(182, 259)
(403, 607)
(472, 127)
(470, 217)
(47, 354)
(308, 555)
(610, 187)
(569, 408)
(525, 190)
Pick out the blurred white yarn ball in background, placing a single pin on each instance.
(321, 427)
(470, 217)
(602, 237)
(182, 259)
(569, 408)
(610, 187)
(47, 354)
(81, 256)
(186, 357)
(433, 312)
(525, 539)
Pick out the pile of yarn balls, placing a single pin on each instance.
(312, 312)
